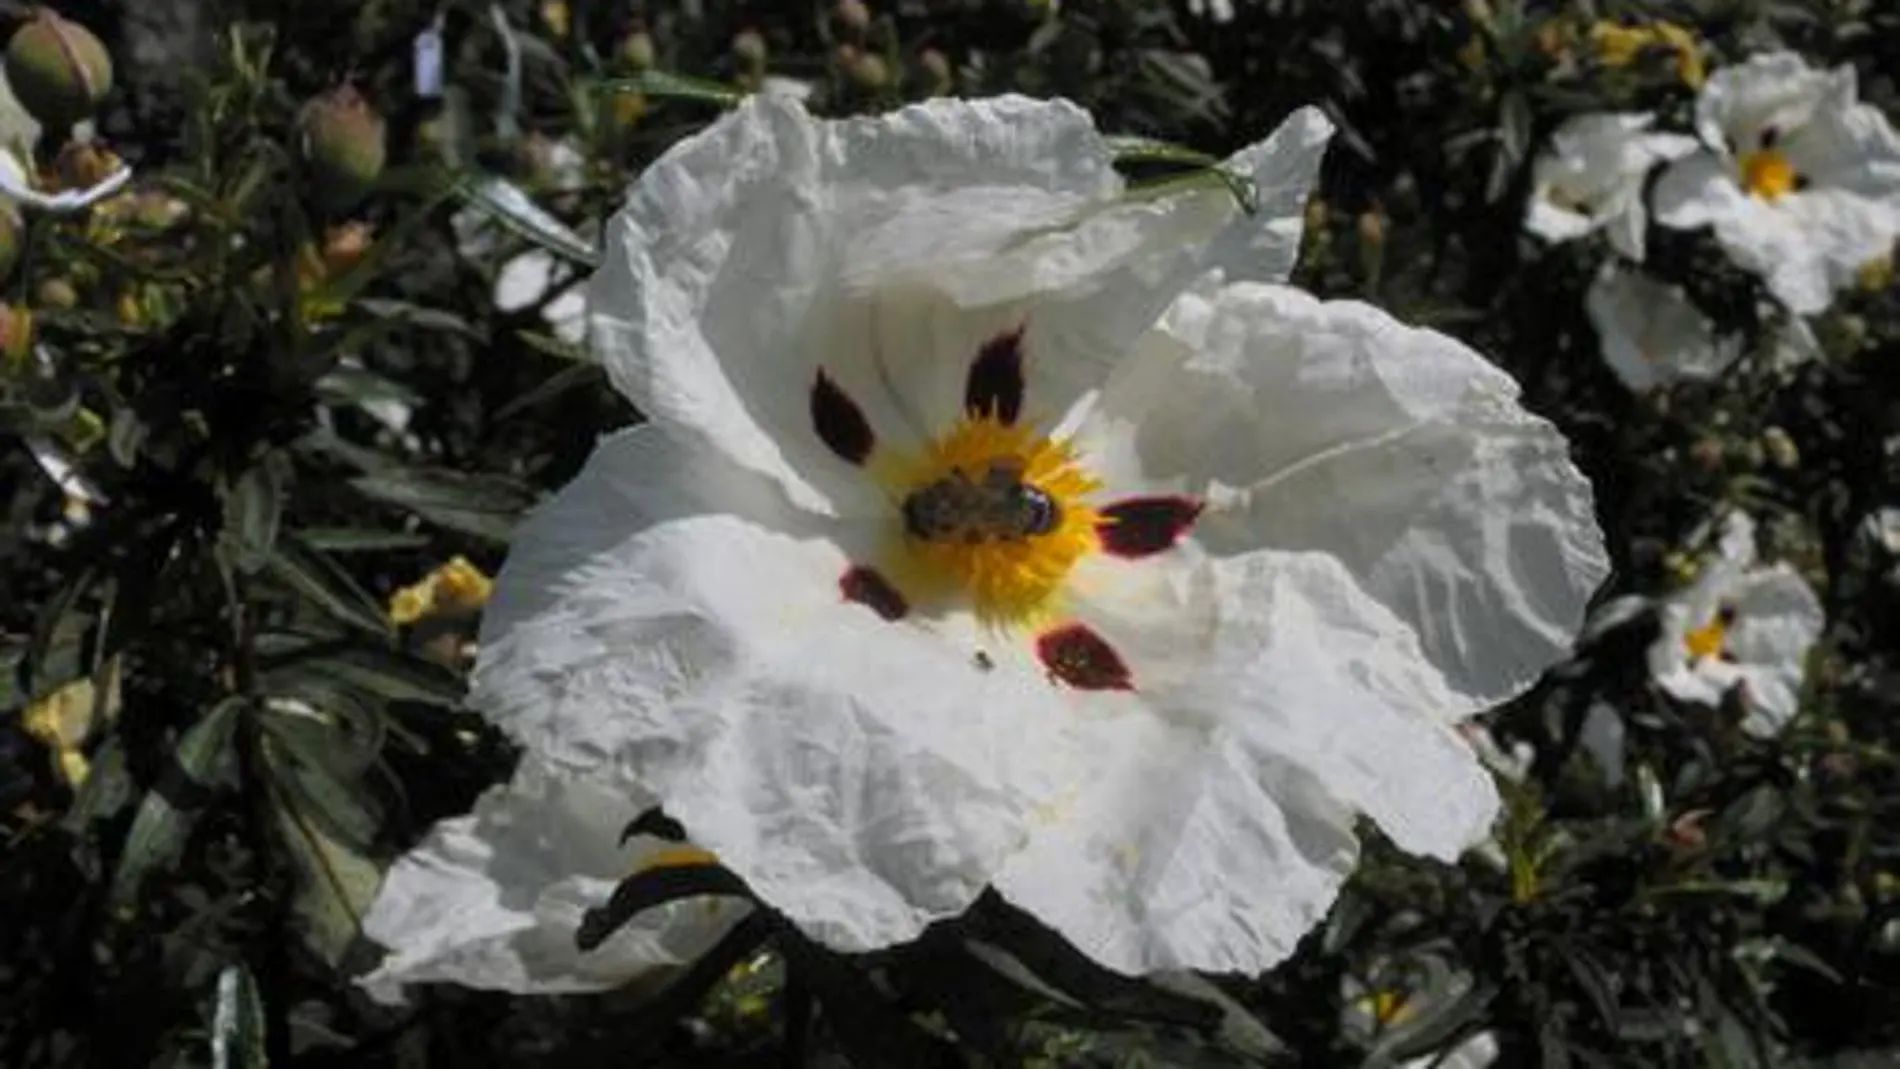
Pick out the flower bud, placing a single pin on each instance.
(57, 293)
(82, 165)
(852, 17)
(870, 73)
(1780, 449)
(1708, 454)
(938, 78)
(748, 47)
(343, 140)
(637, 51)
(58, 70)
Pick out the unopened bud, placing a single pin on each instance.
(1707, 454)
(852, 17)
(748, 47)
(82, 165)
(16, 336)
(1780, 448)
(343, 140)
(58, 70)
(57, 293)
(870, 73)
(637, 51)
(935, 68)
(345, 246)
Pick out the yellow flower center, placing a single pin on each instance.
(993, 512)
(1707, 640)
(1768, 174)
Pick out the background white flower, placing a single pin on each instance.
(1739, 625)
(493, 899)
(1591, 178)
(1800, 181)
(1652, 335)
(1244, 606)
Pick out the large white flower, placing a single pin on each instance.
(493, 899)
(1739, 626)
(1591, 178)
(1652, 335)
(993, 529)
(1800, 181)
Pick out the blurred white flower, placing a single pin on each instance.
(1739, 626)
(526, 279)
(1591, 179)
(1212, 10)
(1651, 335)
(1800, 181)
(493, 899)
(992, 528)
(1475, 1052)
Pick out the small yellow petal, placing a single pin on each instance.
(411, 603)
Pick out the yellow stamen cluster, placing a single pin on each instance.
(1008, 582)
(1707, 640)
(1617, 45)
(456, 588)
(1768, 174)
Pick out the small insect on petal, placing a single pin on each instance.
(871, 590)
(1144, 526)
(839, 421)
(995, 386)
(1075, 655)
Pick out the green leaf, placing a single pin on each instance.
(486, 506)
(203, 759)
(253, 509)
(515, 211)
(319, 580)
(237, 1025)
(350, 540)
(661, 85)
(568, 378)
(335, 880)
(1130, 149)
(384, 673)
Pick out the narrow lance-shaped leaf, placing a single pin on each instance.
(514, 210)
(237, 1024)
(165, 816)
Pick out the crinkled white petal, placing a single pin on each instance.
(1777, 621)
(772, 244)
(1276, 700)
(673, 614)
(1775, 90)
(494, 899)
(1334, 428)
(1650, 334)
(1284, 169)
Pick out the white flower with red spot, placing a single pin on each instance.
(1739, 629)
(1000, 525)
(1591, 178)
(1798, 179)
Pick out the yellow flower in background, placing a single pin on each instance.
(16, 337)
(66, 719)
(558, 18)
(454, 589)
(1622, 46)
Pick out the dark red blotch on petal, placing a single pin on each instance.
(839, 421)
(1078, 656)
(1142, 526)
(870, 589)
(995, 386)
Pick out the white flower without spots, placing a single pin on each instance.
(1798, 179)
(1591, 178)
(1739, 626)
(492, 899)
(1653, 336)
(916, 585)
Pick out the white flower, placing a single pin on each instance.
(527, 278)
(1592, 178)
(493, 899)
(1213, 10)
(1651, 335)
(1739, 625)
(1799, 180)
(1476, 1052)
(992, 529)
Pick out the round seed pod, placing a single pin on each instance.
(344, 143)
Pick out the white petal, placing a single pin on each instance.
(1696, 190)
(1330, 426)
(1284, 170)
(1650, 334)
(1478, 1052)
(1775, 90)
(494, 899)
(672, 613)
(16, 182)
(1599, 160)
(1213, 835)
(1777, 621)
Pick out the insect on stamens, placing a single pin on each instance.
(999, 506)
